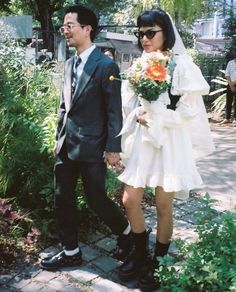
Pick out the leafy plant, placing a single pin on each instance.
(209, 65)
(220, 102)
(14, 232)
(28, 103)
(209, 264)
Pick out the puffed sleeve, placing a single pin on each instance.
(130, 107)
(188, 82)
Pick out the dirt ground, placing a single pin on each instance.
(215, 118)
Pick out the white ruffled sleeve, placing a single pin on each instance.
(130, 107)
(189, 83)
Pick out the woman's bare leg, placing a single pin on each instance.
(132, 199)
(164, 204)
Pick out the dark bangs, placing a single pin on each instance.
(160, 18)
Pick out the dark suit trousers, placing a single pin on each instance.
(93, 177)
(230, 98)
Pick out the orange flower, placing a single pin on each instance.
(157, 72)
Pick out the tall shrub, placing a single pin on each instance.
(28, 102)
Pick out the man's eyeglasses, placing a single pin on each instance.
(150, 33)
(69, 26)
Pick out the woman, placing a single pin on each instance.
(179, 134)
(110, 53)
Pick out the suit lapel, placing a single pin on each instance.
(67, 85)
(88, 71)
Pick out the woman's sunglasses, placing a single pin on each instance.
(150, 33)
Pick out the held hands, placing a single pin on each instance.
(112, 158)
(142, 119)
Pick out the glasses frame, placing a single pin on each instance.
(69, 27)
(150, 33)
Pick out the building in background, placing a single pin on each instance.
(124, 46)
(210, 32)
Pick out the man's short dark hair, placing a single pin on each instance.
(161, 18)
(85, 16)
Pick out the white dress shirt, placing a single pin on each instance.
(231, 70)
(84, 57)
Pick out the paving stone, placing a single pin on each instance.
(58, 284)
(5, 279)
(46, 276)
(31, 271)
(5, 289)
(72, 289)
(188, 235)
(47, 289)
(192, 206)
(151, 221)
(178, 212)
(84, 274)
(89, 253)
(152, 237)
(127, 286)
(184, 230)
(106, 264)
(19, 283)
(107, 244)
(96, 236)
(150, 212)
(191, 218)
(104, 285)
(32, 287)
(181, 224)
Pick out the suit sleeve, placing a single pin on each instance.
(112, 95)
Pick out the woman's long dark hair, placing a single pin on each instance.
(160, 18)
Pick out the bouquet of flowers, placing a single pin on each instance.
(149, 76)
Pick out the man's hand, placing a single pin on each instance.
(232, 86)
(111, 158)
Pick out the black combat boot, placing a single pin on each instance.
(137, 259)
(125, 244)
(147, 281)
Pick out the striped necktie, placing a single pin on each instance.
(75, 77)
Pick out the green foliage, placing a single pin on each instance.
(28, 99)
(113, 186)
(209, 65)
(209, 264)
(230, 28)
(220, 102)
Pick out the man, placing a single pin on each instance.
(230, 74)
(90, 118)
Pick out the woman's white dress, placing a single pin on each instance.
(164, 153)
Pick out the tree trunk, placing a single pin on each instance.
(45, 19)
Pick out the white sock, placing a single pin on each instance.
(127, 230)
(71, 252)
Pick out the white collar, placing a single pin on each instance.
(85, 54)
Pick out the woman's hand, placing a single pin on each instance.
(142, 119)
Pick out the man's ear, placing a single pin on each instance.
(88, 28)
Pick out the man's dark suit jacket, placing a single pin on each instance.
(91, 118)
